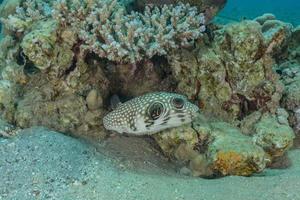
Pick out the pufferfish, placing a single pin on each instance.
(150, 113)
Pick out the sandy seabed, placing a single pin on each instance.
(43, 164)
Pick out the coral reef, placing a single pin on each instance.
(8, 7)
(276, 34)
(20, 15)
(289, 70)
(290, 74)
(106, 29)
(128, 38)
(40, 47)
(213, 147)
(273, 133)
(54, 52)
(231, 77)
(8, 94)
(209, 7)
(294, 45)
(60, 61)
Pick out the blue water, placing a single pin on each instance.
(235, 10)
(285, 10)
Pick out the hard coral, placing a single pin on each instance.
(232, 76)
(40, 47)
(209, 7)
(8, 7)
(129, 38)
(25, 14)
(105, 27)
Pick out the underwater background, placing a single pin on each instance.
(150, 99)
(287, 10)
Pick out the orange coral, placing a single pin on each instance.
(232, 163)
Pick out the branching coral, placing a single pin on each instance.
(111, 33)
(26, 14)
(108, 30)
(209, 7)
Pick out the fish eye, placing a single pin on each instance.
(155, 110)
(178, 103)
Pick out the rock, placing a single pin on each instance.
(7, 130)
(41, 47)
(247, 124)
(145, 77)
(64, 113)
(213, 147)
(274, 136)
(277, 35)
(265, 17)
(282, 116)
(231, 77)
(232, 152)
(289, 70)
(294, 45)
(94, 100)
(290, 76)
(8, 94)
(15, 24)
(15, 73)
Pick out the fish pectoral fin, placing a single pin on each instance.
(115, 102)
